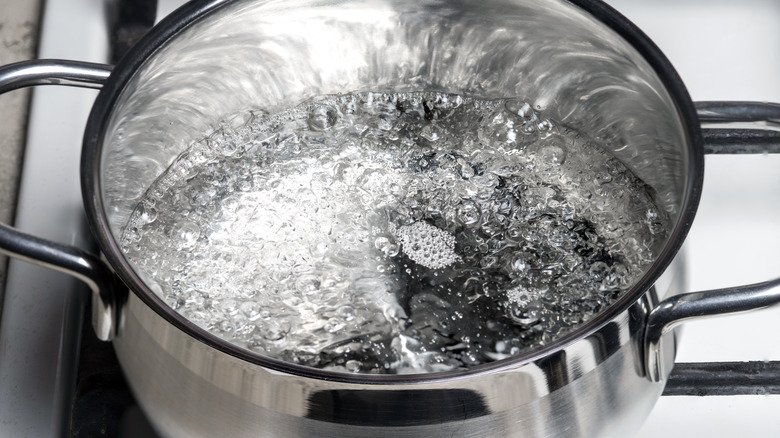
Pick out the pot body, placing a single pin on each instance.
(580, 64)
(594, 387)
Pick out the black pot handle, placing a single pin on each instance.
(69, 259)
(727, 128)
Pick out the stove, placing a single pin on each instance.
(53, 368)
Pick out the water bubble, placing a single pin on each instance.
(148, 214)
(183, 168)
(308, 284)
(244, 184)
(381, 232)
(382, 243)
(322, 117)
(519, 108)
(519, 263)
(392, 250)
(353, 365)
(545, 128)
(228, 306)
(498, 128)
(598, 271)
(275, 329)
(553, 155)
(469, 213)
(194, 298)
(333, 325)
(251, 309)
(131, 234)
(187, 233)
(430, 133)
(346, 312)
(225, 326)
(524, 316)
(526, 117)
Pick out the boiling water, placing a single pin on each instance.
(393, 233)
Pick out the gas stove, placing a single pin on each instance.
(52, 367)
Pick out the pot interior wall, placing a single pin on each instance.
(268, 55)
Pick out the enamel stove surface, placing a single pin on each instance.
(723, 50)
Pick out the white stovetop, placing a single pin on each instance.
(723, 49)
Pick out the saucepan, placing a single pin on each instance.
(578, 61)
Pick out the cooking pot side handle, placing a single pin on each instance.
(68, 259)
(740, 127)
(53, 72)
(74, 261)
(681, 308)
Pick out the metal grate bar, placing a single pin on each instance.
(724, 378)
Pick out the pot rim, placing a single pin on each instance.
(192, 12)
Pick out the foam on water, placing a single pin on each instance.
(394, 233)
(427, 245)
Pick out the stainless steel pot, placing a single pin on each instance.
(578, 61)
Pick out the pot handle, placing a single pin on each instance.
(727, 128)
(74, 261)
(680, 308)
(53, 72)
